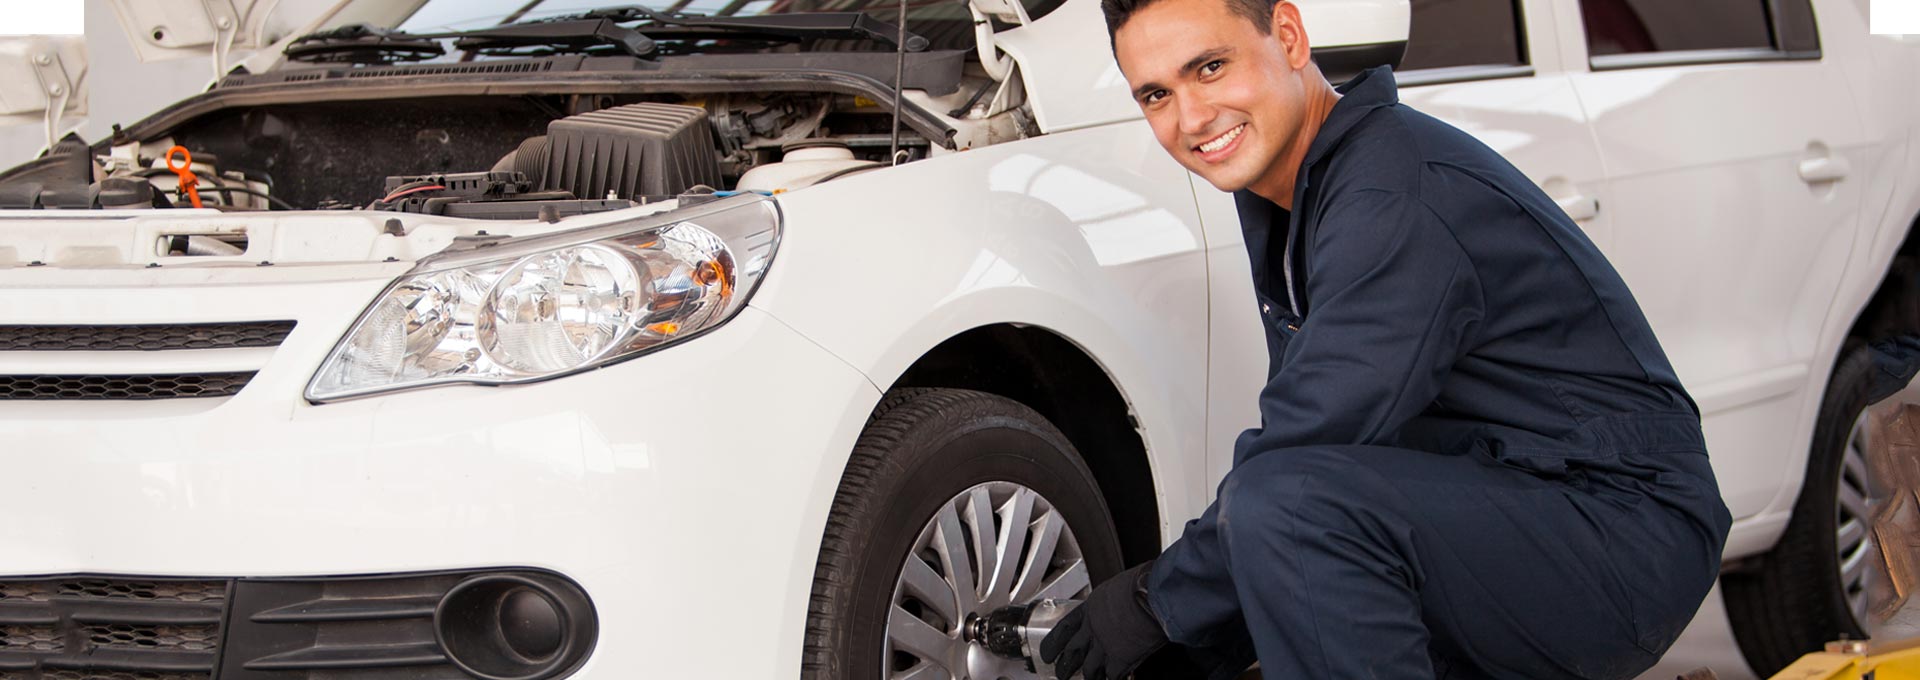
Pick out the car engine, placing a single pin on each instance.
(483, 157)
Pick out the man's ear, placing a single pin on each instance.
(1291, 33)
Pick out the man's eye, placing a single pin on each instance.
(1212, 67)
(1153, 96)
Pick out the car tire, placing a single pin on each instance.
(1794, 599)
(923, 451)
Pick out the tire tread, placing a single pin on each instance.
(874, 460)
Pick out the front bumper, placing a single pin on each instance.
(685, 491)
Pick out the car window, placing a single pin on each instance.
(1627, 27)
(1454, 33)
(1794, 29)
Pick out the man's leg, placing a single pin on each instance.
(1360, 562)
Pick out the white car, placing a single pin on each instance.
(459, 370)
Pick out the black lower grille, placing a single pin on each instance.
(101, 675)
(31, 638)
(146, 337)
(131, 636)
(156, 591)
(118, 675)
(109, 629)
(122, 387)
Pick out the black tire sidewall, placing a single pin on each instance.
(945, 442)
(1814, 514)
(1792, 601)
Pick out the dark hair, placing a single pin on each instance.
(1260, 12)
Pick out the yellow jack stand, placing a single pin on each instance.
(1849, 660)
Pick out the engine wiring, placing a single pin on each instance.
(275, 200)
(406, 191)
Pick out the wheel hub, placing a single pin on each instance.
(992, 545)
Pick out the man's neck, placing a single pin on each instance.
(1277, 185)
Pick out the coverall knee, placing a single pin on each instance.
(1381, 562)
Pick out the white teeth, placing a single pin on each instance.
(1221, 141)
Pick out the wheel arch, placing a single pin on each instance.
(1880, 317)
(1057, 378)
(1876, 318)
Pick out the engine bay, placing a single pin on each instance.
(540, 138)
(542, 117)
(475, 156)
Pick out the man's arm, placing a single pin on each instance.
(1394, 302)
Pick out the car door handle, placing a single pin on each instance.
(1823, 169)
(1579, 207)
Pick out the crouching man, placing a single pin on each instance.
(1474, 459)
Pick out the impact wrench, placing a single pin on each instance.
(1015, 632)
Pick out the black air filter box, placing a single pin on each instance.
(647, 149)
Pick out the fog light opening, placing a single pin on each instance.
(530, 624)
(515, 626)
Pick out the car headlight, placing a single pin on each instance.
(538, 307)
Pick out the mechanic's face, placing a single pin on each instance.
(1226, 100)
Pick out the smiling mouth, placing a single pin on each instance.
(1221, 141)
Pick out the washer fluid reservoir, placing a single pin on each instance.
(801, 164)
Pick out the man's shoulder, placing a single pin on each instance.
(1401, 150)
(1383, 151)
(1400, 160)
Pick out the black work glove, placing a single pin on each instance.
(1110, 635)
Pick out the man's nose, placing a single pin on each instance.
(1196, 114)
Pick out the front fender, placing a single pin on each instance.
(1092, 234)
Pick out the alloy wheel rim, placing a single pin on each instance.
(1853, 507)
(992, 545)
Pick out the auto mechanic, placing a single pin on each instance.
(1474, 459)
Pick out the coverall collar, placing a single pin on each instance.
(1372, 89)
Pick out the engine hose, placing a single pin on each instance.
(203, 246)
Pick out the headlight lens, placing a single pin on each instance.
(554, 311)
(545, 306)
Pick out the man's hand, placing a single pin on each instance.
(1108, 636)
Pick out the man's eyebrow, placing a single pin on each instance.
(1196, 62)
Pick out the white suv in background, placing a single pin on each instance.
(614, 344)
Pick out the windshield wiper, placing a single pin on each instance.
(361, 44)
(577, 34)
(593, 31)
(796, 26)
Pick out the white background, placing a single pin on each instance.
(40, 17)
(1896, 16)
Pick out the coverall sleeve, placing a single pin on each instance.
(1393, 301)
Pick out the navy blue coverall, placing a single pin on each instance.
(1473, 459)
